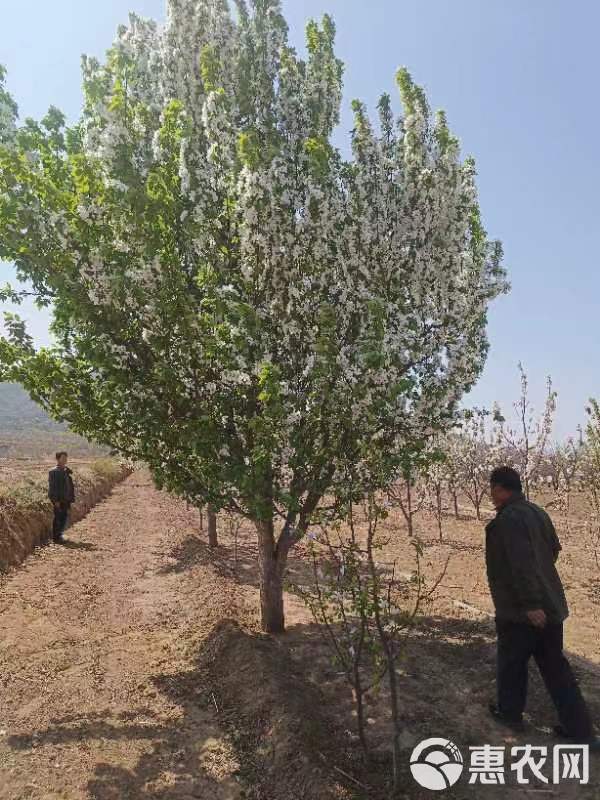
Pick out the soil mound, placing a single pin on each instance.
(25, 527)
(275, 717)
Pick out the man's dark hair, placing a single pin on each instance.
(508, 478)
(60, 454)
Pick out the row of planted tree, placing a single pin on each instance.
(450, 474)
(363, 604)
(455, 474)
(366, 607)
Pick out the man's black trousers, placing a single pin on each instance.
(61, 514)
(517, 642)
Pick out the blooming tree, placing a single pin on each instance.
(474, 453)
(590, 462)
(409, 491)
(526, 444)
(589, 474)
(234, 303)
(564, 464)
(436, 480)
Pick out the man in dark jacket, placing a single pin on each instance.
(61, 491)
(521, 548)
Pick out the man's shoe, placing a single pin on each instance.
(560, 732)
(514, 723)
(593, 742)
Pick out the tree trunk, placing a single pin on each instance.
(455, 499)
(212, 527)
(358, 693)
(408, 511)
(271, 567)
(393, 684)
(390, 654)
(438, 498)
(477, 501)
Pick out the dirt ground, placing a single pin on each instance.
(447, 674)
(105, 693)
(101, 693)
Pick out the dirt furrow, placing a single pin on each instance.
(101, 695)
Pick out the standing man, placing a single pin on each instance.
(61, 491)
(521, 548)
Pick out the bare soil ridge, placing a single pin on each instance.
(101, 693)
(23, 527)
(120, 679)
(131, 669)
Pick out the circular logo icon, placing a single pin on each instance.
(436, 764)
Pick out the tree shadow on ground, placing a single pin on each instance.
(246, 717)
(184, 756)
(99, 725)
(238, 561)
(446, 677)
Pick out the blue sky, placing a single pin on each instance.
(519, 83)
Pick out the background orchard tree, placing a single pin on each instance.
(235, 304)
(475, 454)
(526, 444)
(409, 491)
(564, 463)
(452, 450)
(439, 479)
(437, 483)
(590, 470)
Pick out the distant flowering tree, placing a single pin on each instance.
(526, 445)
(452, 449)
(234, 303)
(474, 453)
(564, 465)
(409, 492)
(436, 480)
(589, 476)
(590, 462)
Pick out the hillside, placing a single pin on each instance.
(19, 413)
(26, 431)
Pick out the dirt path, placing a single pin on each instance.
(101, 695)
(104, 694)
(446, 675)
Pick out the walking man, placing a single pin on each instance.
(61, 491)
(521, 549)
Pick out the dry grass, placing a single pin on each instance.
(24, 483)
(25, 511)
